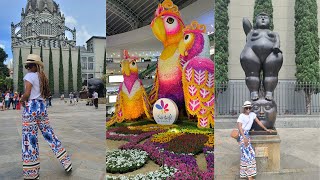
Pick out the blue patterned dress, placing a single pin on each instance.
(35, 117)
(247, 159)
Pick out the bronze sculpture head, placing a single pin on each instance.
(266, 112)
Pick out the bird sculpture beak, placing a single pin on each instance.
(182, 48)
(158, 29)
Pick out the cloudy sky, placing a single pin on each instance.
(87, 16)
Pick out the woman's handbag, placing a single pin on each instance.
(235, 133)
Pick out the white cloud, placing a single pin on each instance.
(9, 63)
(82, 36)
(2, 46)
(70, 21)
(82, 33)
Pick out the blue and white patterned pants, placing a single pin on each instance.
(35, 117)
(247, 158)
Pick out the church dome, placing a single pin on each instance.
(41, 5)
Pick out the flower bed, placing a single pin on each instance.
(163, 173)
(210, 142)
(126, 130)
(111, 134)
(187, 143)
(122, 161)
(165, 136)
(209, 154)
(174, 147)
(152, 127)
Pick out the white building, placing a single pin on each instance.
(43, 25)
(92, 58)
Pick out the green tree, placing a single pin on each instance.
(70, 74)
(79, 74)
(307, 49)
(221, 45)
(263, 6)
(31, 51)
(51, 72)
(20, 74)
(41, 53)
(61, 75)
(4, 71)
(8, 83)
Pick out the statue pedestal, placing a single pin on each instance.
(267, 149)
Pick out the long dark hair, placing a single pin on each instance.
(44, 82)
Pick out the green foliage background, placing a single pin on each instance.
(61, 75)
(221, 41)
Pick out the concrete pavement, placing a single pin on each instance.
(299, 151)
(81, 130)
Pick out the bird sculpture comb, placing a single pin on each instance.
(195, 27)
(167, 7)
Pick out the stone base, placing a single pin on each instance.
(267, 149)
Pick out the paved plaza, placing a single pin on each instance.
(81, 130)
(299, 151)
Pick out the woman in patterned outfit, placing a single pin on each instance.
(247, 159)
(35, 117)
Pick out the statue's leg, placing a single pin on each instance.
(251, 65)
(271, 68)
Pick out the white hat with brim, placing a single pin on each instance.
(247, 104)
(34, 59)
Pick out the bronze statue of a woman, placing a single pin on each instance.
(261, 53)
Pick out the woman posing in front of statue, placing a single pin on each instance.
(35, 117)
(247, 158)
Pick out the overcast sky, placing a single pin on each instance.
(87, 16)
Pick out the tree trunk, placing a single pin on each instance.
(308, 101)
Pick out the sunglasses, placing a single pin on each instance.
(29, 66)
(247, 108)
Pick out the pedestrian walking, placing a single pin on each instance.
(7, 100)
(1, 103)
(50, 99)
(75, 98)
(95, 99)
(71, 97)
(15, 100)
(35, 117)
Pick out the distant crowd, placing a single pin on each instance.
(10, 99)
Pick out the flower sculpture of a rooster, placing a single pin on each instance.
(197, 74)
(167, 26)
(132, 100)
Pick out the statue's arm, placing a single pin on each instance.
(276, 46)
(247, 27)
(277, 43)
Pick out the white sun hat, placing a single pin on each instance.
(34, 59)
(247, 104)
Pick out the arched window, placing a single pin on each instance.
(45, 28)
(28, 30)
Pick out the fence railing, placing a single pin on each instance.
(288, 95)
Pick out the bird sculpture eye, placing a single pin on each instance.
(170, 20)
(133, 63)
(171, 25)
(187, 38)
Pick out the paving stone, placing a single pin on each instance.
(81, 130)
